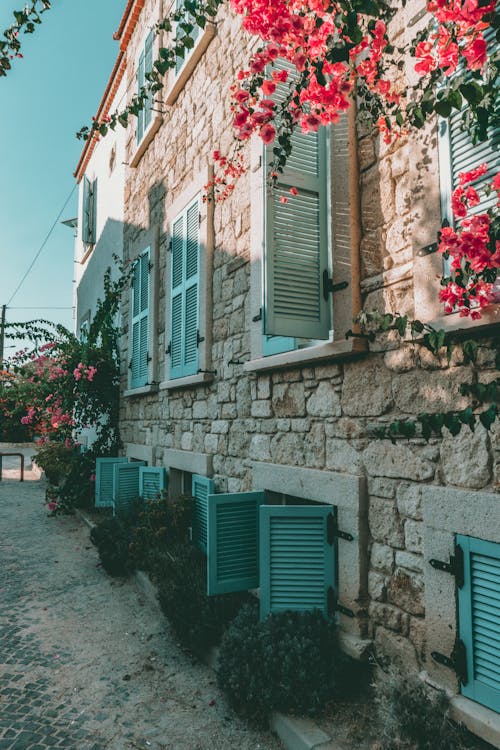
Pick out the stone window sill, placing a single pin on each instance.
(146, 140)
(481, 721)
(490, 315)
(190, 63)
(187, 382)
(332, 351)
(144, 390)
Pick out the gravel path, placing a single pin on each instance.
(86, 663)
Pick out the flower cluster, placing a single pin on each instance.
(473, 249)
(84, 372)
(224, 181)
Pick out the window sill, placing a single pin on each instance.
(332, 351)
(190, 63)
(490, 316)
(144, 390)
(187, 382)
(480, 720)
(146, 140)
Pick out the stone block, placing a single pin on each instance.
(382, 557)
(314, 446)
(288, 448)
(220, 427)
(382, 487)
(345, 427)
(406, 590)
(465, 458)
(429, 390)
(340, 456)
(187, 441)
(264, 387)
(367, 391)
(200, 410)
(386, 615)
(413, 535)
(324, 401)
(260, 448)
(383, 459)
(261, 409)
(403, 359)
(409, 499)
(409, 561)
(289, 400)
(376, 586)
(384, 522)
(211, 443)
(398, 650)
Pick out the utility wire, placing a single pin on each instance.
(40, 308)
(43, 244)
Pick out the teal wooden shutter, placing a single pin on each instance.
(277, 344)
(184, 293)
(104, 480)
(479, 620)
(201, 488)
(297, 564)
(179, 63)
(148, 67)
(93, 213)
(140, 83)
(86, 219)
(233, 542)
(140, 322)
(152, 481)
(125, 485)
(296, 239)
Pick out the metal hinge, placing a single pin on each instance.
(168, 350)
(345, 611)
(455, 566)
(433, 246)
(208, 372)
(199, 338)
(130, 365)
(257, 317)
(169, 245)
(148, 358)
(333, 531)
(457, 661)
(329, 287)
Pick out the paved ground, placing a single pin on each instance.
(84, 664)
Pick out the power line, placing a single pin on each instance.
(41, 308)
(42, 245)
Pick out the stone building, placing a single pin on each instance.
(237, 369)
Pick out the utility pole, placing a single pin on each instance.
(2, 333)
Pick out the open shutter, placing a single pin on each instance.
(152, 481)
(179, 63)
(148, 67)
(126, 485)
(184, 293)
(92, 217)
(297, 563)
(140, 322)
(86, 225)
(201, 488)
(277, 344)
(296, 239)
(479, 620)
(233, 542)
(104, 480)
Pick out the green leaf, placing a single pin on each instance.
(470, 349)
(443, 108)
(488, 417)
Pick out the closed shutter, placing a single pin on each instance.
(104, 481)
(148, 67)
(296, 240)
(297, 563)
(93, 213)
(233, 542)
(140, 322)
(152, 481)
(479, 620)
(140, 84)
(86, 211)
(184, 295)
(201, 488)
(126, 485)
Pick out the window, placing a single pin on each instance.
(193, 34)
(144, 67)
(89, 211)
(296, 244)
(84, 327)
(139, 343)
(184, 292)
(152, 481)
(288, 551)
(479, 620)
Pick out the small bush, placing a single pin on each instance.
(289, 662)
(112, 539)
(414, 716)
(197, 619)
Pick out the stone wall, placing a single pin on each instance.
(317, 416)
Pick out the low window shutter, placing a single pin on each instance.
(297, 563)
(140, 322)
(104, 480)
(126, 485)
(152, 481)
(233, 542)
(479, 620)
(184, 293)
(296, 239)
(201, 488)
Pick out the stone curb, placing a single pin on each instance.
(295, 733)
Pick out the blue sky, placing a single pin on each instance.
(44, 100)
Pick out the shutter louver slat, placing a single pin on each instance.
(201, 488)
(233, 542)
(140, 322)
(479, 620)
(152, 481)
(296, 563)
(126, 485)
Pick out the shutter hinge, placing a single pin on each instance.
(257, 317)
(329, 287)
(168, 350)
(457, 661)
(199, 338)
(208, 372)
(148, 358)
(150, 266)
(455, 566)
(169, 245)
(333, 531)
(345, 611)
(433, 246)
(130, 365)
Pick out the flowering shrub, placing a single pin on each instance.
(474, 249)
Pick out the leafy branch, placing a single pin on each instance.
(26, 21)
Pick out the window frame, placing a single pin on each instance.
(139, 317)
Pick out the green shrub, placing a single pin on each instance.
(197, 619)
(112, 539)
(289, 662)
(414, 716)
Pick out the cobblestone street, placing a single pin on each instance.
(86, 663)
